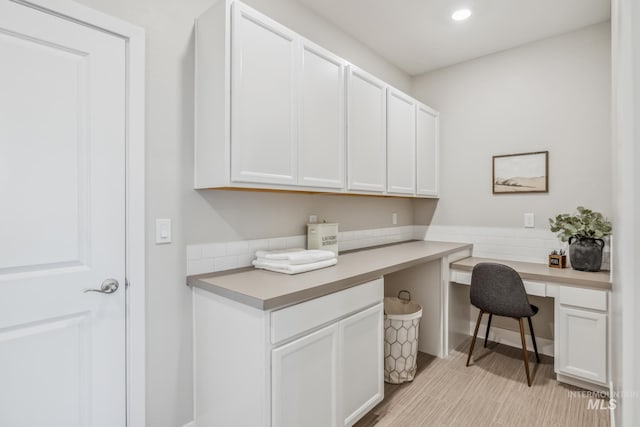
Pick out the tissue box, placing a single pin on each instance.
(323, 236)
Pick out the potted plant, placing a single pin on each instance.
(584, 232)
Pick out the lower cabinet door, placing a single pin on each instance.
(361, 380)
(304, 380)
(582, 344)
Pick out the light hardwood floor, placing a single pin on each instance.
(492, 391)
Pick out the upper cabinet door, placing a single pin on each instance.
(401, 143)
(428, 137)
(322, 125)
(366, 132)
(263, 99)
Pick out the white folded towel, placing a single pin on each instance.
(295, 256)
(293, 269)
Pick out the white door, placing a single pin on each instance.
(401, 143)
(427, 151)
(263, 99)
(303, 380)
(361, 373)
(366, 132)
(322, 124)
(62, 224)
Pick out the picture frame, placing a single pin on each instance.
(521, 173)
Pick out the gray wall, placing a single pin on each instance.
(209, 216)
(549, 95)
(237, 215)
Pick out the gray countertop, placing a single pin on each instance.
(268, 290)
(533, 271)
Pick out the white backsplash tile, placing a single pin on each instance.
(194, 252)
(297, 242)
(238, 247)
(516, 244)
(258, 245)
(227, 262)
(214, 250)
(278, 243)
(211, 257)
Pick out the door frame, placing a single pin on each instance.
(134, 37)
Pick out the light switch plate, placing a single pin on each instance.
(163, 231)
(529, 220)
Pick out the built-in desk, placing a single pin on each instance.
(581, 313)
(308, 349)
(261, 337)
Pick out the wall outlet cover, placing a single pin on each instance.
(163, 231)
(529, 220)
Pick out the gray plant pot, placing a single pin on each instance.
(585, 253)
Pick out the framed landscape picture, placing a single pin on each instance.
(521, 173)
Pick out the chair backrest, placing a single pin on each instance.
(498, 289)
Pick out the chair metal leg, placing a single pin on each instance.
(533, 338)
(486, 335)
(475, 334)
(524, 352)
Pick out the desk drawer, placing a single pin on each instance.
(305, 316)
(535, 288)
(585, 298)
(461, 277)
(532, 288)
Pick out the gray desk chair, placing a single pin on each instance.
(498, 289)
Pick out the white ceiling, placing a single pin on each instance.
(419, 35)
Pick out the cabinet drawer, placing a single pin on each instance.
(296, 319)
(586, 298)
(532, 288)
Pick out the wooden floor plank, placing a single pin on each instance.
(492, 391)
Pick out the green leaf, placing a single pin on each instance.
(585, 223)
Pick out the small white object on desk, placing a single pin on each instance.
(323, 236)
(294, 261)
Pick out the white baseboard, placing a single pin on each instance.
(512, 338)
(190, 424)
(587, 385)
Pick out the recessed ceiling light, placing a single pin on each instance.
(461, 14)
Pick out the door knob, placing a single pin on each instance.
(109, 286)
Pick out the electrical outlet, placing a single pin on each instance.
(529, 220)
(394, 218)
(313, 219)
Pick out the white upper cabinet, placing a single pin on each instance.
(427, 151)
(263, 99)
(366, 132)
(276, 111)
(321, 139)
(401, 143)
